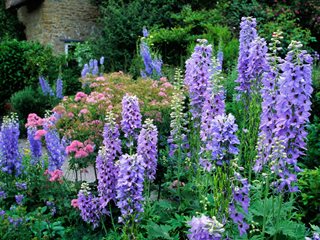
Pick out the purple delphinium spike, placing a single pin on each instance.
(248, 33)
(293, 107)
(19, 198)
(205, 228)
(220, 60)
(91, 65)
(130, 187)
(146, 57)
(223, 144)
(95, 69)
(240, 200)
(88, 205)
(10, 157)
(147, 148)
(59, 88)
(145, 32)
(35, 145)
(85, 71)
(156, 65)
(198, 72)
(55, 147)
(269, 92)
(107, 171)
(45, 87)
(131, 117)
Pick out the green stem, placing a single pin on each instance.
(264, 206)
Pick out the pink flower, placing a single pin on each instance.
(39, 134)
(163, 79)
(84, 111)
(153, 103)
(88, 148)
(34, 120)
(167, 85)
(70, 114)
(162, 94)
(56, 175)
(101, 78)
(79, 96)
(81, 154)
(74, 203)
(154, 84)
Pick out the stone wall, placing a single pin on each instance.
(54, 20)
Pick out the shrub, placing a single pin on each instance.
(21, 63)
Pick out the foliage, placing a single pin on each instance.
(21, 63)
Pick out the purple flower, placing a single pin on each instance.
(145, 32)
(223, 144)
(95, 69)
(89, 206)
(19, 199)
(130, 187)
(146, 57)
(293, 110)
(248, 33)
(105, 162)
(198, 72)
(205, 228)
(15, 221)
(220, 60)
(157, 65)
(52, 207)
(131, 117)
(2, 213)
(55, 147)
(35, 145)
(45, 87)
(21, 185)
(85, 71)
(102, 60)
(59, 88)
(3, 194)
(147, 148)
(10, 157)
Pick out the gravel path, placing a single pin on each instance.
(86, 174)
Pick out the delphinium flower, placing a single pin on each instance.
(21, 185)
(101, 65)
(145, 32)
(205, 228)
(45, 87)
(15, 221)
(35, 145)
(220, 60)
(147, 59)
(293, 106)
(223, 144)
(178, 130)
(85, 70)
(59, 88)
(147, 148)
(131, 117)
(240, 200)
(213, 106)
(19, 199)
(130, 187)
(95, 69)
(269, 92)
(3, 194)
(157, 65)
(88, 205)
(198, 71)
(55, 147)
(10, 157)
(248, 33)
(105, 162)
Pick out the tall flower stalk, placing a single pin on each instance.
(10, 157)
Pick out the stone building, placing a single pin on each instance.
(56, 22)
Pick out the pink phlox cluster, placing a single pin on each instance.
(74, 203)
(39, 134)
(34, 120)
(80, 150)
(79, 96)
(83, 111)
(55, 176)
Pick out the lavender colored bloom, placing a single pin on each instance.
(130, 187)
(35, 145)
(95, 69)
(147, 58)
(147, 148)
(293, 109)
(85, 71)
(19, 199)
(198, 72)
(2, 213)
(223, 144)
(205, 228)
(107, 171)
(91, 65)
(21, 185)
(10, 157)
(88, 205)
(131, 117)
(3, 194)
(248, 33)
(145, 32)
(241, 200)
(59, 88)
(52, 207)
(220, 60)
(156, 65)
(45, 87)
(55, 147)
